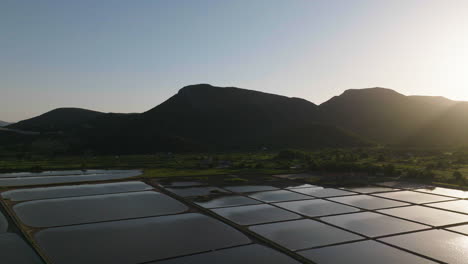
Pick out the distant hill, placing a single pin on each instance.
(388, 117)
(57, 120)
(3, 123)
(232, 117)
(208, 118)
(198, 118)
(448, 128)
(204, 117)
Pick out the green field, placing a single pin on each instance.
(448, 167)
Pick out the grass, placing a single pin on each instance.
(170, 172)
(372, 161)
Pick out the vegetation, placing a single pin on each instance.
(421, 165)
(215, 131)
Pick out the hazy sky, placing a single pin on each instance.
(129, 56)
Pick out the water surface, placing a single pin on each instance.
(3, 223)
(225, 201)
(98, 208)
(14, 250)
(323, 193)
(255, 214)
(426, 215)
(460, 206)
(303, 234)
(460, 229)
(373, 224)
(317, 207)
(368, 202)
(28, 181)
(363, 252)
(278, 196)
(59, 173)
(138, 240)
(250, 188)
(251, 254)
(74, 190)
(413, 197)
(441, 245)
(371, 189)
(196, 191)
(445, 191)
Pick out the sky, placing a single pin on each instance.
(129, 56)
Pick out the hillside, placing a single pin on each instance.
(3, 123)
(448, 128)
(198, 118)
(204, 117)
(57, 120)
(388, 117)
(208, 118)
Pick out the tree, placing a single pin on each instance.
(459, 178)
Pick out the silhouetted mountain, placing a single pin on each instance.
(448, 128)
(233, 118)
(57, 120)
(207, 118)
(388, 117)
(3, 123)
(203, 117)
(198, 118)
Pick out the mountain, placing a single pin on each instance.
(198, 118)
(388, 117)
(3, 123)
(448, 128)
(57, 120)
(204, 117)
(208, 118)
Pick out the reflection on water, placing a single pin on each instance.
(413, 197)
(368, 202)
(88, 209)
(196, 191)
(224, 201)
(3, 223)
(279, 196)
(138, 240)
(252, 254)
(303, 234)
(15, 251)
(373, 224)
(442, 245)
(250, 188)
(59, 173)
(317, 207)
(425, 215)
(323, 192)
(255, 214)
(363, 252)
(28, 181)
(445, 191)
(74, 190)
(460, 206)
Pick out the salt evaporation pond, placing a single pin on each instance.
(251, 254)
(97, 208)
(373, 224)
(363, 252)
(74, 190)
(255, 214)
(43, 180)
(137, 241)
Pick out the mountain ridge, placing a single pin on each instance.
(3, 123)
(206, 117)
